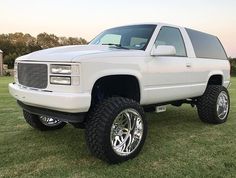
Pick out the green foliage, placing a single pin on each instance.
(7, 73)
(10, 59)
(233, 65)
(47, 40)
(17, 44)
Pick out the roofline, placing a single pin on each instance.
(148, 23)
(161, 24)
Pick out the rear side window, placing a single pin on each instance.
(205, 45)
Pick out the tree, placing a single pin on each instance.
(233, 65)
(71, 41)
(17, 44)
(45, 40)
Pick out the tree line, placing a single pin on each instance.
(14, 45)
(233, 65)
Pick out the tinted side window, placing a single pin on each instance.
(205, 45)
(171, 36)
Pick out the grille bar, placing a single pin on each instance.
(33, 75)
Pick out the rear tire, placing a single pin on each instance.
(40, 122)
(116, 130)
(213, 106)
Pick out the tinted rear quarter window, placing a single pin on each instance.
(205, 45)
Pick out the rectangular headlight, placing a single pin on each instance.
(60, 80)
(60, 69)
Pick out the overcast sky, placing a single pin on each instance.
(87, 18)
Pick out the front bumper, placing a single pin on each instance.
(63, 102)
(62, 116)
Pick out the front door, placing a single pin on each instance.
(166, 75)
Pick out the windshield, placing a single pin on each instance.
(127, 37)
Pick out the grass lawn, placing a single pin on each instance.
(178, 145)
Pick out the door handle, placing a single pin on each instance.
(188, 65)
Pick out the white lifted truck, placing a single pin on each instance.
(107, 86)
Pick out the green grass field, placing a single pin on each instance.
(178, 145)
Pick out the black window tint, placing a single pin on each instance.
(171, 36)
(205, 45)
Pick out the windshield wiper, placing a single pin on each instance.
(116, 45)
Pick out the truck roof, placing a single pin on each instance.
(161, 24)
(152, 23)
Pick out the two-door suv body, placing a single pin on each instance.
(107, 86)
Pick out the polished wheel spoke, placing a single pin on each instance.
(222, 105)
(126, 132)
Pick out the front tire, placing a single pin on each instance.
(42, 123)
(116, 130)
(213, 107)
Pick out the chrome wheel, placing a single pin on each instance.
(49, 121)
(222, 105)
(126, 132)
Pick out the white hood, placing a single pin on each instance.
(67, 53)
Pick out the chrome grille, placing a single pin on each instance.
(33, 75)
